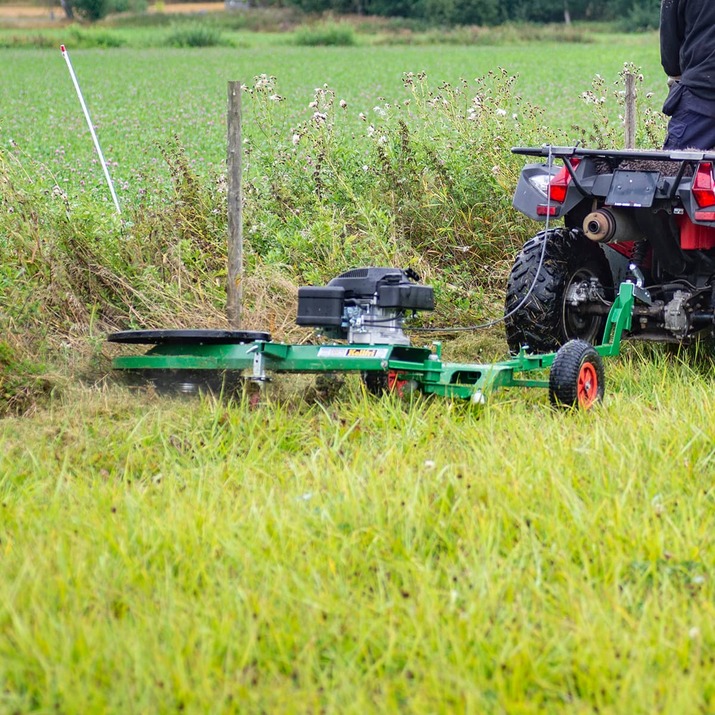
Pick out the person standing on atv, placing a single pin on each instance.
(687, 53)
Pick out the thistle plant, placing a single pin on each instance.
(424, 181)
(604, 132)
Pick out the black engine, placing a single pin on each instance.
(366, 306)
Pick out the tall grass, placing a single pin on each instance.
(69, 271)
(280, 26)
(428, 183)
(361, 556)
(510, 33)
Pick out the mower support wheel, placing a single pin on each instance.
(387, 383)
(577, 378)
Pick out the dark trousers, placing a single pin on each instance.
(688, 127)
(690, 130)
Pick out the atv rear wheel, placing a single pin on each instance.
(546, 318)
(577, 378)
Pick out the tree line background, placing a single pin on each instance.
(642, 14)
(630, 15)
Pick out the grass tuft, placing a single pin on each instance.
(331, 34)
(196, 35)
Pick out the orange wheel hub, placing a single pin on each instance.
(587, 388)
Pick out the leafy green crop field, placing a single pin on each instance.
(140, 98)
(344, 554)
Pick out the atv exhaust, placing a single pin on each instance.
(605, 225)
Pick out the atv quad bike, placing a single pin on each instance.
(647, 217)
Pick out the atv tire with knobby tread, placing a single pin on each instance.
(541, 320)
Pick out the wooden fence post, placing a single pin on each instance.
(234, 288)
(630, 111)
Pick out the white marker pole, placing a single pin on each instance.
(65, 54)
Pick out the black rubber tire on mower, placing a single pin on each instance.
(386, 383)
(577, 377)
(543, 323)
(376, 383)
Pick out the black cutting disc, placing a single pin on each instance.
(187, 337)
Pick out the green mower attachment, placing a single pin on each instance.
(371, 324)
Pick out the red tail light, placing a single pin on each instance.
(558, 186)
(703, 185)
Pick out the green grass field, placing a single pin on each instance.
(363, 556)
(140, 97)
(352, 555)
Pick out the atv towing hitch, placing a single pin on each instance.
(366, 310)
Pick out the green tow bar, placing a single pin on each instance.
(255, 359)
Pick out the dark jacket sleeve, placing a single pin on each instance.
(671, 35)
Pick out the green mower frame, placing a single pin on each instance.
(576, 376)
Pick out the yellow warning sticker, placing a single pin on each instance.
(339, 352)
